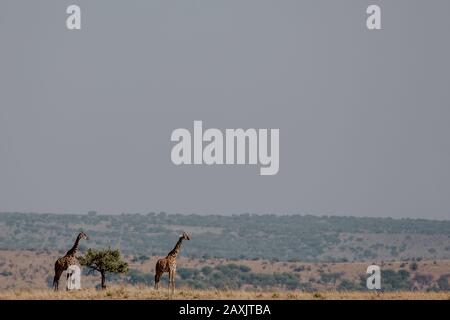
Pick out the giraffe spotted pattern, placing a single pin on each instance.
(169, 263)
(69, 259)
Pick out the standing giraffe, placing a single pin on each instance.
(169, 263)
(69, 259)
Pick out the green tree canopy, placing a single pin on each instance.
(104, 261)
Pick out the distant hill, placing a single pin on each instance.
(246, 236)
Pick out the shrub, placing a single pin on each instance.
(392, 280)
(443, 282)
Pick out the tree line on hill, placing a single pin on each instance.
(245, 236)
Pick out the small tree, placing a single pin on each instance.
(104, 261)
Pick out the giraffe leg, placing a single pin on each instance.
(58, 273)
(157, 277)
(170, 278)
(173, 279)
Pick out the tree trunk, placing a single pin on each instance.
(103, 281)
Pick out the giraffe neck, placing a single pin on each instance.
(176, 249)
(73, 251)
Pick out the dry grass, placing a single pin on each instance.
(143, 293)
(31, 269)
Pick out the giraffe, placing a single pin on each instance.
(69, 259)
(169, 263)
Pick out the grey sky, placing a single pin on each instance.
(86, 116)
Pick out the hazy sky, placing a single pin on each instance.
(364, 116)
